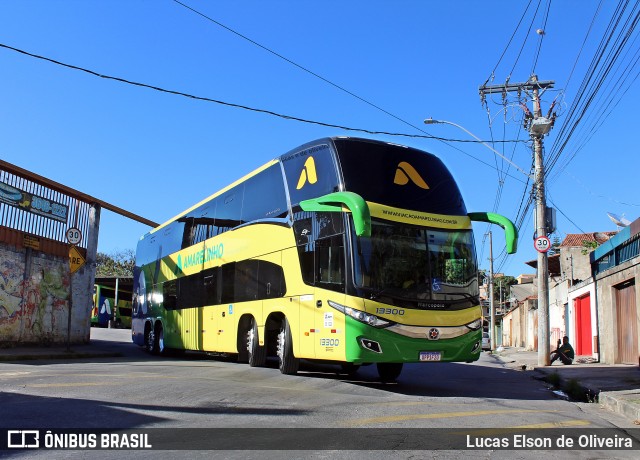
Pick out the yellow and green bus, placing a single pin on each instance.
(346, 250)
(112, 301)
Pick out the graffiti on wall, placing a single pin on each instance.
(33, 308)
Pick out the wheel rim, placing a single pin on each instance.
(151, 340)
(250, 338)
(281, 345)
(160, 341)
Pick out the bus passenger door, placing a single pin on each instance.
(210, 313)
(330, 285)
(329, 325)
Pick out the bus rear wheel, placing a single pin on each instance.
(257, 354)
(155, 340)
(287, 362)
(389, 372)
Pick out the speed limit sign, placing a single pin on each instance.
(542, 244)
(74, 236)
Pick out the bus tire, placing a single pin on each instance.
(349, 368)
(389, 372)
(287, 362)
(160, 340)
(257, 354)
(155, 340)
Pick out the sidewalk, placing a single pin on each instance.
(615, 386)
(105, 343)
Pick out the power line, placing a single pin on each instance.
(269, 50)
(244, 107)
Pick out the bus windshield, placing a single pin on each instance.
(416, 263)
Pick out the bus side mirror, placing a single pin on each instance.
(334, 202)
(510, 230)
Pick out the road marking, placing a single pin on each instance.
(77, 384)
(562, 424)
(14, 374)
(406, 417)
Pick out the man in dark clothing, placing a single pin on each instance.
(564, 352)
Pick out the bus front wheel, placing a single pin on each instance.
(389, 372)
(287, 362)
(257, 354)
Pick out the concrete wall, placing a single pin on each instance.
(607, 314)
(515, 330)
(574, 265)
(35, 296)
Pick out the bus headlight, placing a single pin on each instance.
(475, 325)
(361, 316)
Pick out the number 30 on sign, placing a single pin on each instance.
(542, 244)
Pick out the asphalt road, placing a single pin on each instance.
(192, 391)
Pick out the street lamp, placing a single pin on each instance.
(431, 121)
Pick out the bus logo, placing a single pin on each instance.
(308, 173)
(406, 172)
(434, 333)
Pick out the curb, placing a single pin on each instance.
(618, 401)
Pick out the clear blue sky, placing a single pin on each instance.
(156, 154)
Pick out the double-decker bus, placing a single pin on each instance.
(346, 250)
(112, 301)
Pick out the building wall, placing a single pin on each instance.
(35, 296)
(574, 265)
(607, 314)
(515, 326)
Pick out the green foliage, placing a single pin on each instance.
(119, 263)
(588, 246)
(555, 246)
(503, 284)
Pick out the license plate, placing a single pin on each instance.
(430, 356)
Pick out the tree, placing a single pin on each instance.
(119, 263)
(555, 246)
(503, 285)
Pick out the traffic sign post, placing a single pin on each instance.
(75, 259)
(542, 244)
(74, 236)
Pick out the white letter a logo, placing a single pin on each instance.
(308, 173)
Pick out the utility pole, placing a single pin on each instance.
(538, 127)
(492, 309)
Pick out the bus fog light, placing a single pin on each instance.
(371, 345)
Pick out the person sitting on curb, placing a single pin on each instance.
(564, 352)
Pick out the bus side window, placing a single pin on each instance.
(305, 241)
(246, 281)
(211, 294)
(330, 263)
(227, 279)
(170, 294)
(189, 291)
(271, 283)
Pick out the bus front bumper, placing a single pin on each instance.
(366, 344)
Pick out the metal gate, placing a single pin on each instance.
(625, 296)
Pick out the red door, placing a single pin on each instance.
(582, 314)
